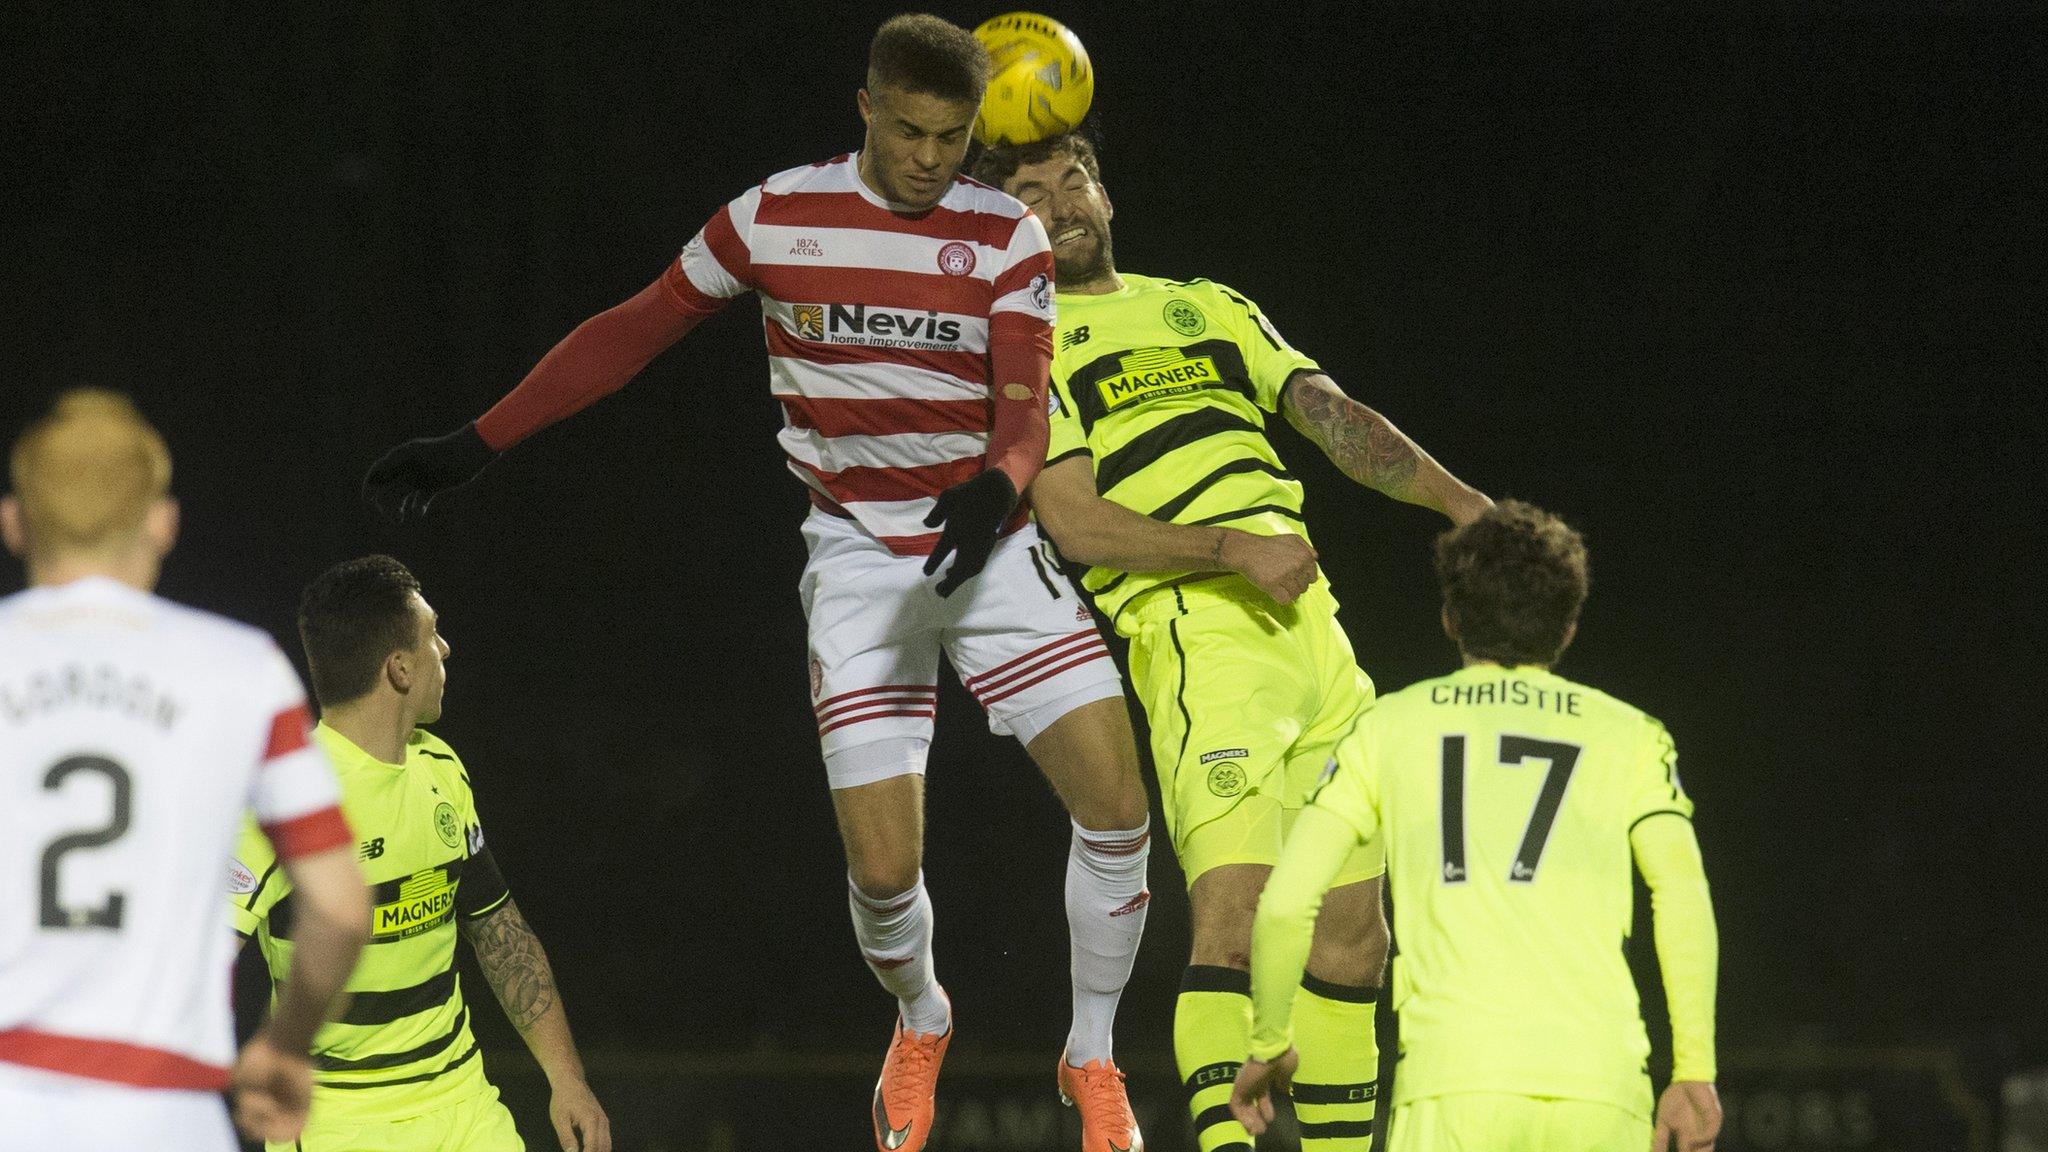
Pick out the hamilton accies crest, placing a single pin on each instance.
(956, 259)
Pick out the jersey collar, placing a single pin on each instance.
(868, 194)
(347, 755)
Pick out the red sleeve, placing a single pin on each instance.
(598, 358)
(1020, 361)
(309, 834)
(290, 730)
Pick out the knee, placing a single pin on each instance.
(881, 826)
(1222, 928)
(1350, 948)
(1098, 779)
(1356, 932)
(884, 879)
(1222, 951)
(1125, 791)
(1117, 806)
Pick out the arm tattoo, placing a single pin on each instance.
(1360, 441)
(512, 960)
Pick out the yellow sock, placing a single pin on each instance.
(1212, 1031)
(1336, 1089)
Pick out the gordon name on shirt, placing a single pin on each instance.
(43, 692)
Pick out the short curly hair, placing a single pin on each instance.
(997, 164)
(923, 53)
(1513, 581)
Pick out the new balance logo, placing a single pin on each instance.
(371, 849)
(1073, 337)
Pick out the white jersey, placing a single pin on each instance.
(134, 735)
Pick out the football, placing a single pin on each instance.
(1042, 83)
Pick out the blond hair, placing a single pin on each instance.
(88, 472)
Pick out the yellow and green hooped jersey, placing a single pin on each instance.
(1166, 385)
(403, 1044)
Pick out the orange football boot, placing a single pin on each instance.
(1097, 1089)
(904, 1095)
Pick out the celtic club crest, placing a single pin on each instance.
(1185, 318)
(447, 825)
(1226, 779)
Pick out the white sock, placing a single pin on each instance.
(1106, 901)
(895, 937)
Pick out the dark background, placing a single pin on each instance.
(1749, 296)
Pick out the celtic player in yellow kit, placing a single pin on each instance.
(1163, 483)
(399, 1070)
(1511, 802)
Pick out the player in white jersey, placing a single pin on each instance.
(908, 316)
(134, 734)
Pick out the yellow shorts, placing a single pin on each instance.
(1246, 701)
(1496, 1122)
(476, 1124)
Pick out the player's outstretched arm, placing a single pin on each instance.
(1688, 953)
(273, 1077)
(519, 974)
(1369, 449)
(1088, 529)
(600, 357)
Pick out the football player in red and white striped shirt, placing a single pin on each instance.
(908, 315)
(134, 733)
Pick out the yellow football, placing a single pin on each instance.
(1042, 83)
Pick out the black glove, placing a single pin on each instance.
(972, 512)
(403, 483)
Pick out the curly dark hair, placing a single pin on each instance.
(1513, 581)
(352, 617)
(997, 164)
(922, 53)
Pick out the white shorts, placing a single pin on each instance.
(1018, 634)
(41, 1111)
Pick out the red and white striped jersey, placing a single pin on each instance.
(879, 326)
(134, 734)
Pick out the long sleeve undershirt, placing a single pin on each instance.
(1019, 353)
(594, 361)
(605, 352)
(1688, 945)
